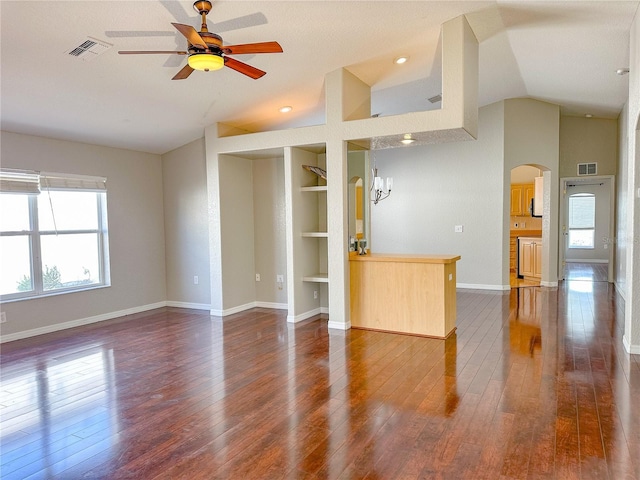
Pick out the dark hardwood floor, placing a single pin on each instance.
(534, 384)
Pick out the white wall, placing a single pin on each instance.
(622, 194)
(136, 232)
(439, 186)
(186, 230)
(631, 337)
(270, 230)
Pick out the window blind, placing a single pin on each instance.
(65, 181)
(582, 211)
(19, 181)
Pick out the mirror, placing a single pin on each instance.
(359, 177)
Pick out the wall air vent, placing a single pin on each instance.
(436, 99)
(587, 169)
(89, 49)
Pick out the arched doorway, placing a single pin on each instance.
(527, 239)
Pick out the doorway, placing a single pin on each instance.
(587, 228)
(526, 240)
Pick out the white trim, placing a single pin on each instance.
(549, 284)
(479, 286)
(630, 349)
(339, 325)
(303, 316)
(621, 292)
(246, 306)
(276, 306)
(194, 306)
(584, 260)
(77, 323)
(324, 310)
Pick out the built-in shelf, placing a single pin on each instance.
(315, 234)
(316, 278)
(315, 188)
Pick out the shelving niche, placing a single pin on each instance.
(309, 229)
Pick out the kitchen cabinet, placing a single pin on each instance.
(530, 257)
(521, 196)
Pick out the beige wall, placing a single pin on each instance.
(531, 137)
(237, 229)
(186, 230)
(439, 186)
(136, 233)
(587, 140)
(270, 230)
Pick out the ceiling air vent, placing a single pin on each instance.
(89, 49)
(587, 168)
(436, 98)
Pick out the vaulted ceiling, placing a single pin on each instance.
(563, 52)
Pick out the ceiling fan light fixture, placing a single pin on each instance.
(205, 61)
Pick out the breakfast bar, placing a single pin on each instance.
(411, 294)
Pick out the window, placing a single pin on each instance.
(582, 220)
(54, 241)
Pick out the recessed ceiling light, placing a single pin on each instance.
(401, 60)
(588, 115)
(407, 139)
(285, 109)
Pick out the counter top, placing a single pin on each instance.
(404, 258)
(523, 232)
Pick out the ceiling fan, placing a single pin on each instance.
(206, 50)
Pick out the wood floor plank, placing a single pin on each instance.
(534, 384)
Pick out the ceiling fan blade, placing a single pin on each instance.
(243, 68)
(190, 33)
(146, 52)
(262, 47)
(184, 73)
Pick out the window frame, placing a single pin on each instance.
(35, 236)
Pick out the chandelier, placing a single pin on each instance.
(380, 189)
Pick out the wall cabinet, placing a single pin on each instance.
(530, 257)
(521, 196)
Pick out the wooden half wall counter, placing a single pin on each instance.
(410, 294)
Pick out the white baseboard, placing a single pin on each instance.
(324, 310)
(620, 291)
(194, 306)
(631, 349)
(479, 286)
(339, 325)
(247, 306)
(549, 284)
(77, 323)
(303, 316)
(276, 306)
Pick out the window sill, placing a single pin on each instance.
(53, 294)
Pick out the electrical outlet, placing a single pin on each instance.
(3, 317)
(315, 294)
(195, 279)
(257, 277)
(280, 278)
(458, 228)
